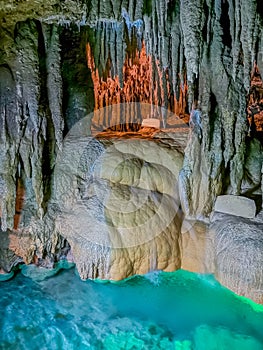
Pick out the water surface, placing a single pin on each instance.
(179, 310)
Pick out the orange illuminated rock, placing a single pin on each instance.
(139, 83)
(151, 123)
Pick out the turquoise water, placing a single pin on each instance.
(178, 310)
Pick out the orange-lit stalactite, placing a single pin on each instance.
(20, 194)
(255, 101)
(144, 81)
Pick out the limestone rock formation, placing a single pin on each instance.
(252, 167)
(229, 247)
(8, 259)
(238, 254)
(204, 48)
(121, 216)
(225, 38)
(197, 250)
(198, 57)
(236, 205)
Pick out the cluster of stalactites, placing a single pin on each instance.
(139, 60)
(208, 46)
(31, 117)
(236, 25)
(221, 43)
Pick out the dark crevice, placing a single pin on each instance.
(225, 24)
(172, 7)
(49, 142)
(206, 15)
(226, 177)
(196, 89)
(213, 117)
(76, 76)
(260, 9)
(131, 42)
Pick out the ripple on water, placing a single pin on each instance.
(178, 310)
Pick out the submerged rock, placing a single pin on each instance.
(6, 276)
(38, 273)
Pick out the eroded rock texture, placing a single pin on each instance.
(238, 254)
(225, 37)
(32, 126)
(230, 247)
(198, 56)
(120, 205)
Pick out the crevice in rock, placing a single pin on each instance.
(225, 24)
(213, 116)
(78, 89)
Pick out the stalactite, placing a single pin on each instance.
(9, 123)
(182, 55)
(138, 9)
(145, 81)
(168, 84)
(120, 53)
(54, 80)
(31, 146)
(224, 61)
(191, 13)
(248, 28)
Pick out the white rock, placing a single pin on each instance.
(124, 218)
(238, 244)
(151, 123)
(236, 205)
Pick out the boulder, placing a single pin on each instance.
(230, 247)
(151, 123)
(235, 205)
(239, 254)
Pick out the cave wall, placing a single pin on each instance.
(223, 60)
(210, 46)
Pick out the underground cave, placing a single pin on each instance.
(131, 174)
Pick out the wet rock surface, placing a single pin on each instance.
(229, 247)
(202, 55)
(238, 254)
(125, 219)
